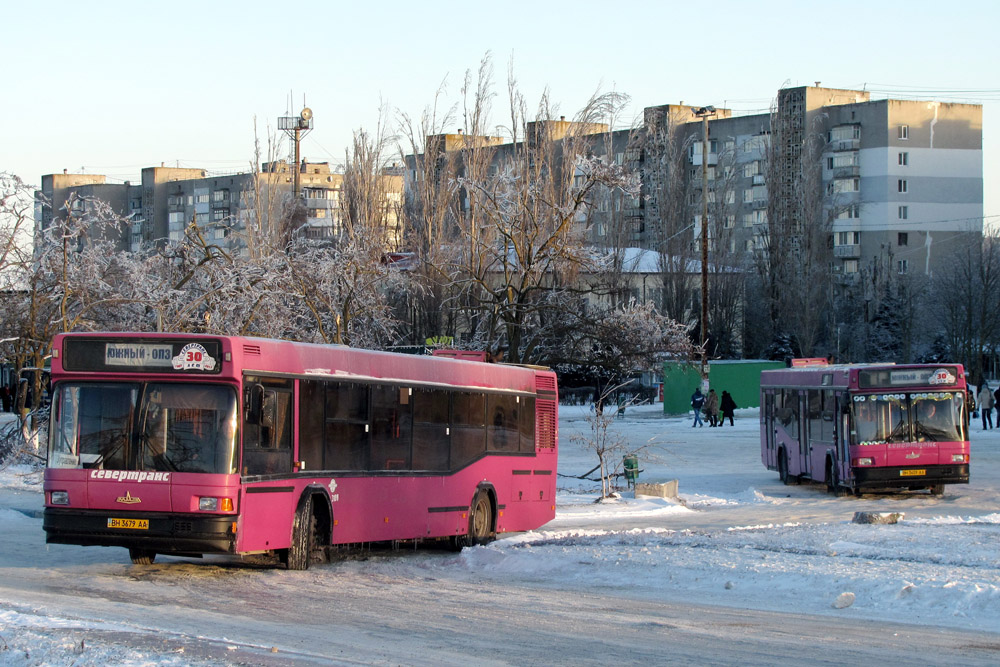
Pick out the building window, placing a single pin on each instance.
(904, 131)
(202, 198)
(903, 266)
(902, 238)
(748, 196)
(728, 221)
(850, 266)
(904, 159)
(902, 185)
(904, 212)
(220, 195)
(848, 238)
(748, 219)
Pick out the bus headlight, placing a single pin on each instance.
(59, 497)
(959, 458)
(864, 461)
(215, 504)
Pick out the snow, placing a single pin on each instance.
(736, 537)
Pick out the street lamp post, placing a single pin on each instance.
(704, 113)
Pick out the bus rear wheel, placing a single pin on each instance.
(783, 475)
(481, 520)
(833, 480)
(141, 556)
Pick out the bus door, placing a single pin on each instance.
(842, 460)
(767, 416)
(805, 462)
(267, 507)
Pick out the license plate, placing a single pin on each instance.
(133, 524)
(912, 473)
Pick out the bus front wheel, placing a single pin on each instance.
(937, 489)
(298, 554)
(141, 556)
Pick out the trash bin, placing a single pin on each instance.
(631, 467)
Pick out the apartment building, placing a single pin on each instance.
(896, 181)
(168, 199)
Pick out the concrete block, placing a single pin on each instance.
(657, 490)
(877, 517)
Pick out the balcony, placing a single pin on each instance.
(845, 144)
(847, 251)
(850, 171)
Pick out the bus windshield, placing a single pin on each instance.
(916, 417)
(144, 426)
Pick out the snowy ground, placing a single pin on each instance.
(736, 538)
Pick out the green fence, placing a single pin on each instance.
(741, 378)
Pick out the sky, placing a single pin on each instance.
(736, 537)
(113, 87)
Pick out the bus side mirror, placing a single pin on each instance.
(254, 403)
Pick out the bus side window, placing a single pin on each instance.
(267, 436)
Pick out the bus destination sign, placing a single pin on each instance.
(138, 354)
(922, 376)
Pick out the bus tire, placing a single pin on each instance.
(141, 556)
(783, 475)
(480, 520)
(937, 489)
(833, 480)
(298, 554)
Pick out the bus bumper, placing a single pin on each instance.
(881, 478)
(166, 533)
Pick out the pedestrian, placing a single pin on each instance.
(996, 403)
(697, 401)
(712, 408)
(971, 400)
(985, 400)
(728, 405)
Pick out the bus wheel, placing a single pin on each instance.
(833, 481)
(141, 556)
(481, 520)
(783, 469)
(937, 490)
(297, 556)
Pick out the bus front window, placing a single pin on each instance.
(91, 424)
(188, 428)
(157, 426)
(937, 417)
(880, 418)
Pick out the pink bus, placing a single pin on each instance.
(866, 427)
(193, 444)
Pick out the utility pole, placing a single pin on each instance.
(704, 113)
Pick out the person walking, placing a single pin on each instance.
(712, 408)
(986, 401)
(996, 403)
(697, 401)
(728, 406)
